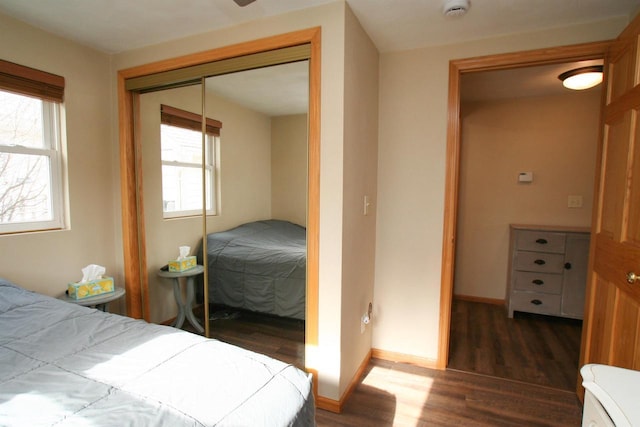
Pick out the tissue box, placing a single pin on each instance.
(179, 265)
(91, 288)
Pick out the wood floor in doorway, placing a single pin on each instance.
(535, 349)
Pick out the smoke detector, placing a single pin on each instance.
(455, 8)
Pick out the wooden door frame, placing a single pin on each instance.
(554, 55)
(133, 231)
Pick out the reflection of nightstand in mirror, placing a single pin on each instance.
(99, 301)
(185, 306)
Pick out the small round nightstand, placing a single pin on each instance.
(99, 301)
(185, 307)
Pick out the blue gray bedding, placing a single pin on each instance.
(66, 365)
(259, 266)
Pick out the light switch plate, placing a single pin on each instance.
(367, 205)
(574, 202)
(525, 177)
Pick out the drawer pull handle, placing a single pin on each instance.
(539, 262)
(542, 241)
(538, 282)
(536, 302)
(567, 266)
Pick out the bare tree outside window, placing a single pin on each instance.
(25, 160)
(23, 191)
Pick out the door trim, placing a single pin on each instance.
(135, 271)
(458, 67)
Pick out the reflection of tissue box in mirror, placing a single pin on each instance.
(179, 265)
(91, 288)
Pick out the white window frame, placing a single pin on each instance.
(53, 151)
(211, 166)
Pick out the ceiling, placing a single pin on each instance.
(118, 25)
(113, 26)
(519, 82)
(275, 91)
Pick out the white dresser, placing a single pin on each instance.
(612, 396)
(548, 270)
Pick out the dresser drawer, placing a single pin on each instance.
(540, 262)
(537, 282)
(540, 241)
(533, 302)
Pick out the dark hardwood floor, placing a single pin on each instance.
(398, 394)
(536, 349)
(278, 337)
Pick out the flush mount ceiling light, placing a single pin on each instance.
(582, 78)
(455, 8)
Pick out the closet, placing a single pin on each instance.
(184, 71)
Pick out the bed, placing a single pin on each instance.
(66, 365)
(259, 266)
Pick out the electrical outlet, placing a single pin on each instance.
(366, 318)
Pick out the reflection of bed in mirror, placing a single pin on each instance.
(259, 266)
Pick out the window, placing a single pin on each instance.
(181, 145)
(31, 161)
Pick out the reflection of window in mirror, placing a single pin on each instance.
(181, 146)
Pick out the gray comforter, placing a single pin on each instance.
(66, 365)
(259, 266)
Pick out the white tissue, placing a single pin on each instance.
(184, 252)
(92, 272)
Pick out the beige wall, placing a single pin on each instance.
(289, 168)
(411, 171)
(360, 180)
(555, 137)
(46, 261)
(244, 175)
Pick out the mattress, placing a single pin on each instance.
(67, 365)
(259, 266)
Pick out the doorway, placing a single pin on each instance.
(457, 69)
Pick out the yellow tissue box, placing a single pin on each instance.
(180, 265)
(91, 288)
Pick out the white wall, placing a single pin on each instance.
(411, 171)
(289, 168)
(555, 137)
(46, 261)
